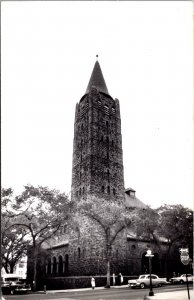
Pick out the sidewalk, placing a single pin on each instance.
(82, 289)
(174, 295)
(170, 295)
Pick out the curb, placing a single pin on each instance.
(78, 290)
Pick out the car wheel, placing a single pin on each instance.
(159, 285)
(12, 292)
(142, 285)
(181, 281)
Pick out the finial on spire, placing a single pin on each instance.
(97, 56)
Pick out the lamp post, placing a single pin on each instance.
(150, 255)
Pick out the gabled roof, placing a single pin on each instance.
(97, 80)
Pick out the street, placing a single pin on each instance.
(124, 293)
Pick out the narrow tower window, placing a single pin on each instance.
(114, 191)
(79, 252)
(108, 189)
(103, 189)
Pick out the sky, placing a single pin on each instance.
(48, 50)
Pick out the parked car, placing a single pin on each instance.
(181, 279)
(144, 281)
(11, 284)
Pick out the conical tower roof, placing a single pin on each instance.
(97, 80)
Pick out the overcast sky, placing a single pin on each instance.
(48, 52)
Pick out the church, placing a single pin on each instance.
(97, 171)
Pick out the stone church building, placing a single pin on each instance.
(97, 170)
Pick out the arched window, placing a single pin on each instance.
(54, 265)
(83, 190)
(108, 189)
(66, 263)
(133, 247)
(49, 266)
(79, 252)
(103, 189)
(114, 191)
(108, 174)
(60, 264)
(80, 191)
(117, 253)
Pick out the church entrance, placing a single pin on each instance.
(155, 264)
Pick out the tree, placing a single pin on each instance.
(39, 211)
(169, 224)
(14, 245)
(14, 248)
(110, 218)
(176, 225)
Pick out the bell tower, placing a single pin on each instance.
(97, 167)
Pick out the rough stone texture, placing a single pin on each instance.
(97, 153)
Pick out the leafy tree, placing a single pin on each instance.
(40, 212)
(110, 219)
(14, 245)
(171, 224)
(176, 225)
(14, 248)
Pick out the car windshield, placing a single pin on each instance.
(12, 279)
(142, 276)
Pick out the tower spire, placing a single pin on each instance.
(97, 79)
